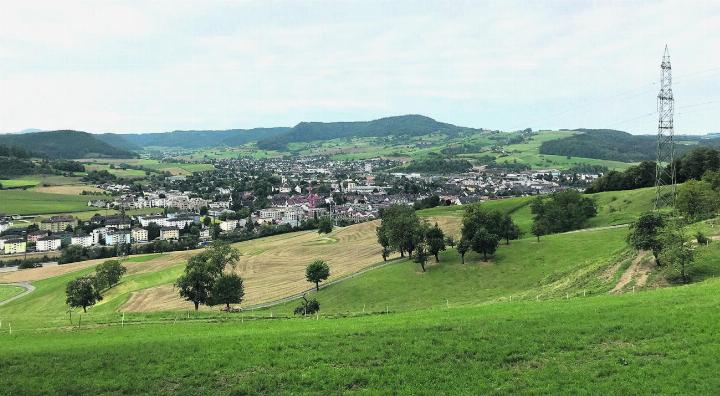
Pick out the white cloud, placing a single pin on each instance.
(138, 66)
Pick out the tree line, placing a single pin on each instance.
(691, 166)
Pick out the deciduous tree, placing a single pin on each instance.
(435, 241)
(677, 250)
(644, 233)
(108, 274)
(82, 292)
(462, 248)
(317, 272)
(228, 289)
(484, 242)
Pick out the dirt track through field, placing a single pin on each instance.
(637, 271)
(274, 267)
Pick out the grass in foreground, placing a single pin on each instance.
(657, 342)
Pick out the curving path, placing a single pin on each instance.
(29, 288)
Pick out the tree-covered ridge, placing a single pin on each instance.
(609, 144)
(438, 164)
(191, 139)
(407, 125)
(15, 162)
(691, 166)
(64, 144)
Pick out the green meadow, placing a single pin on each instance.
(661, 342)
(31, 202)
(9, 291)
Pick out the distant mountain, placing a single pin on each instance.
(407, 125)
(28, 130)
(191, 139)
(64, 144)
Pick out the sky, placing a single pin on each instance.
(130, 67)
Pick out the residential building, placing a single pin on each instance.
(139, 235)
(34, 236)
(14, 246)
(205, 234)
(58, 223)
(48, 243)
(117, 237)
(169, 233)
(228, 225)
(118, 222)
(157, 219)
(84, 240)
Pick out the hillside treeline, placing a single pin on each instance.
(438, 164)
(408, 125)
(15, 162)
(606, 144)
(691, 166)
(64, 144)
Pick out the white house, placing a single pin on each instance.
(228, 225)
(117, 237)
(84, 241)
(48, 243)
(157, 219)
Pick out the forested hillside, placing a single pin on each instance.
(191, 139)
(408, 125)
(690, 166)
(64, 144)
(16, 162)
(609, 144)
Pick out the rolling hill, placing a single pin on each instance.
(407, 125)
(191, 139)
(64, 144)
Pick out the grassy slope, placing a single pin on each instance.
(625, 344)
(614, 208)
(8, 291)
(523, 269)
(46, 305)
(31, 202)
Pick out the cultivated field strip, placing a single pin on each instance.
(274, 267)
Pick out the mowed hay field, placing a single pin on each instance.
(274, 267)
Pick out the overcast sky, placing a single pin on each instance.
(103, 66)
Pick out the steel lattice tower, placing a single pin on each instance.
(665, 165)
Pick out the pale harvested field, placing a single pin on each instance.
(35, 274)
(67, 189)
(274, 267)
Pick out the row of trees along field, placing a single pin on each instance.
(402, 231)
(694, 165)
(86, 291)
